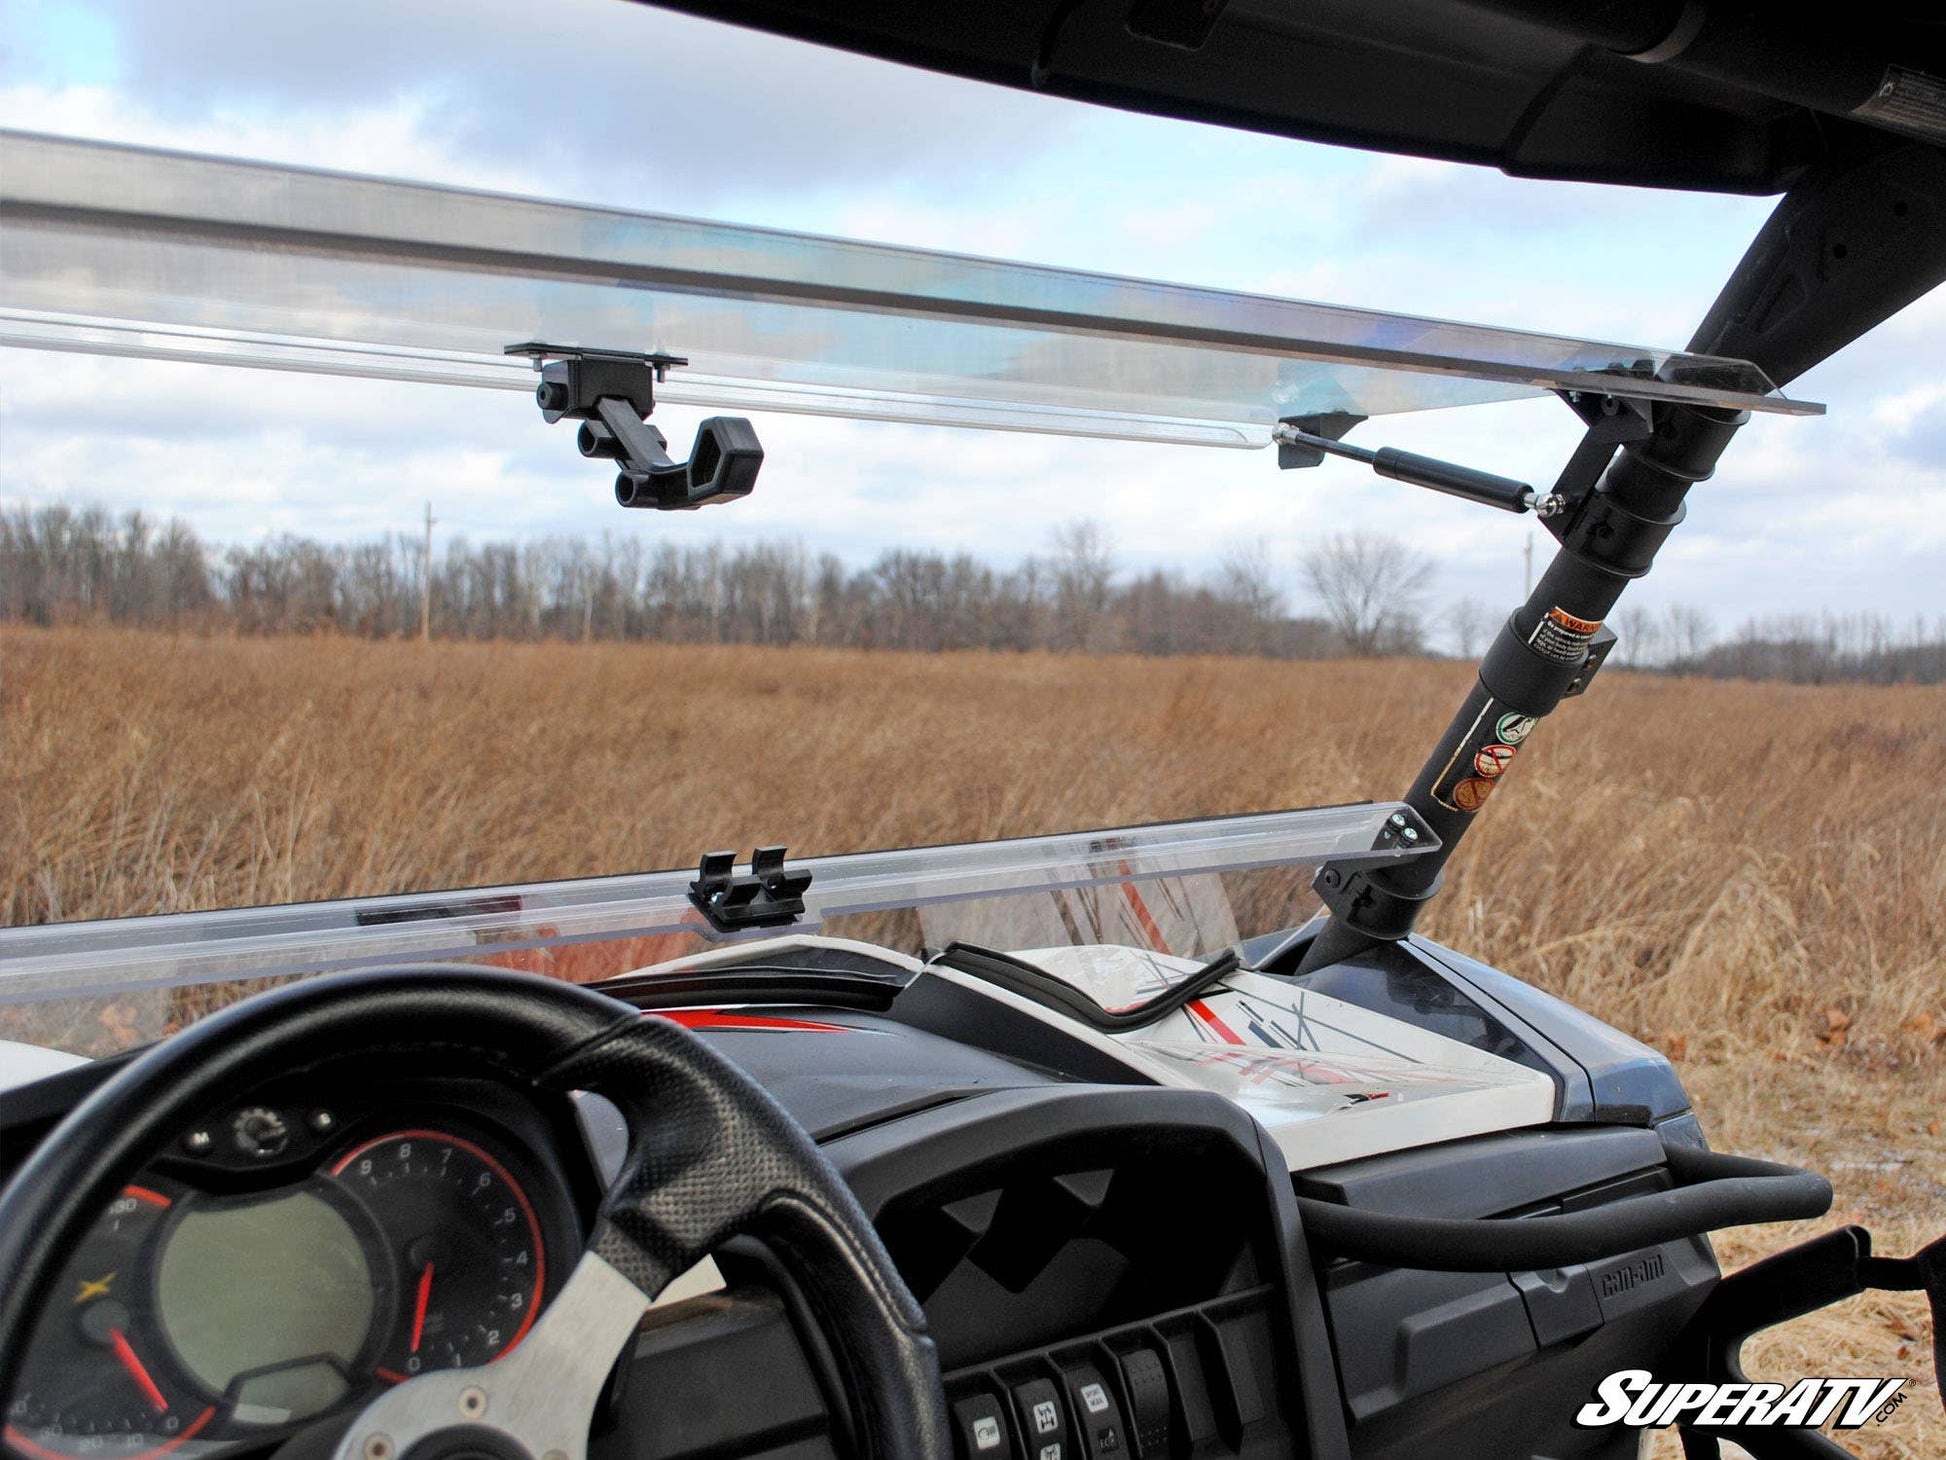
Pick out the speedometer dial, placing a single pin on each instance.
(98, 1382)
(471, 1263)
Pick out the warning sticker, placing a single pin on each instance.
(1562, 637)
(1493, 759)
(1514, 728)
(1471, 794)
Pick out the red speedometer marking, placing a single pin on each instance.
(27, 1447)
(153, 1198)
(520, 1196)
(419, 1307)
(137, 1371)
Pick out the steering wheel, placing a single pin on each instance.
(710, 1156)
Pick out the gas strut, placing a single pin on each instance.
(1427, 471)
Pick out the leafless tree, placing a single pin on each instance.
(1638, 636)
(1246, 590)
(1373, 588)
(1473, 624)
(1690, 631)
(1084, 571)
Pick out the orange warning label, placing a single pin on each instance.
(1562, 637)
(1471, 794)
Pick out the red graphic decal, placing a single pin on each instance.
(153, 1198)
(732, 1019)
(1141, 911)
(1208, 1016)
(1471, 794)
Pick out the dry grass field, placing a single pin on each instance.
(1752, 877)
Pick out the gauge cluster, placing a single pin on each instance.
(287, 1259)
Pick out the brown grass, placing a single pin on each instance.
(1752, 877)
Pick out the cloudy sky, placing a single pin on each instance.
(1847, 512)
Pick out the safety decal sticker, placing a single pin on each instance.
(1482, 757)
(1490, 760)
(1562, 637)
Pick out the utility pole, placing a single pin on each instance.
(1528, 590)
(425, 581)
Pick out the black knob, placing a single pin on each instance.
(260, 1132)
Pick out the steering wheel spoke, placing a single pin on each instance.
(538, 1401)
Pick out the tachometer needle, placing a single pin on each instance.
(118, 1341)
(419, 1307)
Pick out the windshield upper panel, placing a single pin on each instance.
(125, 251)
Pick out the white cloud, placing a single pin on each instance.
(391, 137)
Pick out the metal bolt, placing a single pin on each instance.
(198, 1141)
(1397, 818)
(1331, 877)
(1408, 836)
(378, 1447)
(472, 1401)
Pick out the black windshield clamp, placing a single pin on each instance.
(612, 393)
(1612, 422)
(769, 895)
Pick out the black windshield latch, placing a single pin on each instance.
(769, 895)
(612, 392)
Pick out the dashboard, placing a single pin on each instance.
(294, 1254)
(1111, 1270)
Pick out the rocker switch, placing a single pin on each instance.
(980, 1429)
(1149, 1411)
(1043, 1424)
(1096, 1414)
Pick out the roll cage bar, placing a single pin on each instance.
(1852, 244)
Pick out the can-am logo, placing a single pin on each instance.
(1634, 1397)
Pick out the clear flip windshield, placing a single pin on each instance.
(119, 250)
(1168, 894)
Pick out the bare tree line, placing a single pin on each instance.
(1373, 595)
(1823, 648)
(61, 565)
